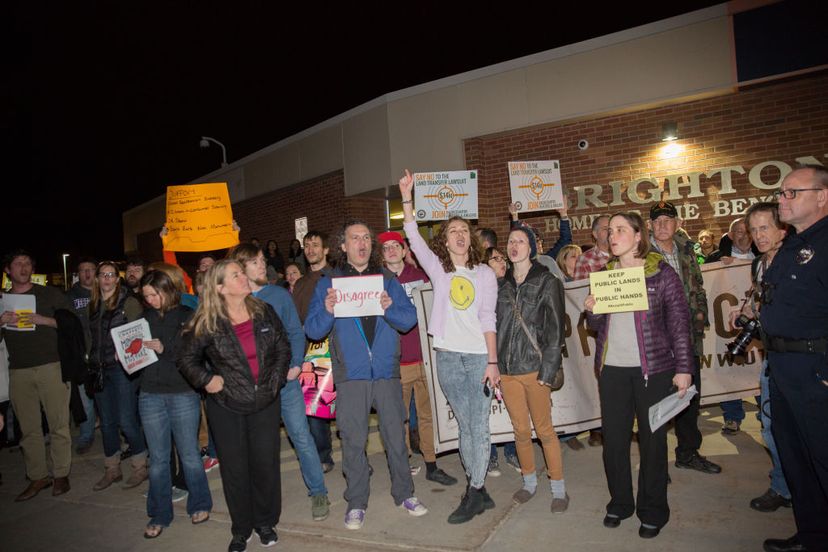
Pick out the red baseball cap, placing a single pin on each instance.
(390, 236)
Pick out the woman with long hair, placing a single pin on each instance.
(639, 355)
(463, 327)
(111, 305)
(530, 336)
(169, 408)
(566, 259)
(248, 352)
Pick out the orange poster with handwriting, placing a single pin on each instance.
(199, 218)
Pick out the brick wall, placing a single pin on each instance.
(779, 121)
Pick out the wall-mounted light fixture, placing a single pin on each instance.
(669, 131)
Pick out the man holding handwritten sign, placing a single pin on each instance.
(199, 218)
(363, 308)
(622, 290)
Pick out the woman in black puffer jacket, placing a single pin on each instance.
(530, 335)
(246, 345)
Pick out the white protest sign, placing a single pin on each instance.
(358, 296)
(536, 185)
(129, 345)
(22, 304)
(442, 195)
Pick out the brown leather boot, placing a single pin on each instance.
(139, 471)
(111, 475)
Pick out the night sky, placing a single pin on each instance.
(105, 103)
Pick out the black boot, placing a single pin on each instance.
(470, 506)
(488, 503)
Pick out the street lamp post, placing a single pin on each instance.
(205, 143)
(65, 275)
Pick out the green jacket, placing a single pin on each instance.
(691, 277)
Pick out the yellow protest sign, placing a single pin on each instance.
(199, 218)
(621, 290)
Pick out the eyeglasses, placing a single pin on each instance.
(107, 275)
(391, 246)
(790, 193)
(498, 259)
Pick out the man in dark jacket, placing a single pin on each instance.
(80, 294)
(365, 355)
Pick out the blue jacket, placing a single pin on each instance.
(279, 298)
(351, 357)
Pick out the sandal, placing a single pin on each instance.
(199, 517)
(152, 531)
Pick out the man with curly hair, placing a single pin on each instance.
(365, 356)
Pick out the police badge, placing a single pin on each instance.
(804, 255)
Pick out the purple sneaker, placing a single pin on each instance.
(354, 519)
(414, 507)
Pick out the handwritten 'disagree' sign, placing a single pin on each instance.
(622, 290)
(199, 218)
(358, 296)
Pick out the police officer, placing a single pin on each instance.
(794, 319)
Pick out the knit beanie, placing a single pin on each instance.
(530, 236)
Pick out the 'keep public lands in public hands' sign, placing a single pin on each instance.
(622, 290)
(199, 218)
(358, 296)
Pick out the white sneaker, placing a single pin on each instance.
(414, 507)
(354, 519)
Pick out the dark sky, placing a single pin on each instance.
(106, 102)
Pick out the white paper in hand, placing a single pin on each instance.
(129, 345)
(668, 407)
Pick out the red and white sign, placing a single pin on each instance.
(358, 296)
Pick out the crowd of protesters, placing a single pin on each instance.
(231, 342)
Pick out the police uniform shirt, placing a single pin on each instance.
(795, 304)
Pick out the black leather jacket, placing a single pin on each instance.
(228, 360)
(540, 299)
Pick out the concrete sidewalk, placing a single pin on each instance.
(709, 512)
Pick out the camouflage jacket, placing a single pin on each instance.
(691, 277)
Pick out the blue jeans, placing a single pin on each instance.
(461, 378)
(173, 414)
(320, 429)
(87, 428)
(118, 406)
(508, 450)
(296, 424)
(733, 410)
(778, 483)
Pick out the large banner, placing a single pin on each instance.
(576, 406)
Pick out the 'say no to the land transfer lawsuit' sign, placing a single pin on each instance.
(621, 290)
(535, 185)
(442, 195)
(199, 218)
